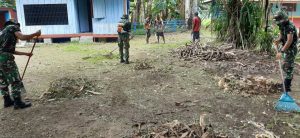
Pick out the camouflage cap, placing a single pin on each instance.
(280, 15)
(125, 16)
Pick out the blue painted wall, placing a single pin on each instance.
(113, 10)
(99, 7)
(107, 14)
(71, 28)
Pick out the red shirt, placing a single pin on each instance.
(196, 22)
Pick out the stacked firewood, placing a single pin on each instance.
(208, 53)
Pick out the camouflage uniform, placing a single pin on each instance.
(124, 39)
(290, 53)
(9, 74)
(286, 27)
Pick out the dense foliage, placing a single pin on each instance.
(244, 23)
(7, 3)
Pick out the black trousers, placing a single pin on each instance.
(196, 35)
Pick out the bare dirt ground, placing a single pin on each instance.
(127, 96)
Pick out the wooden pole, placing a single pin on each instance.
(28, 59)
(92, 8)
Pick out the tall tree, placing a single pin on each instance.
(267, 9)
(164, 7)
(244, 23)
(138, 10)
(191, 6)
(181, 8)
(149, 7)
(143, 11)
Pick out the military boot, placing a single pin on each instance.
(7, 101)
(127, 61)
(121, 58)
(122, 61)
(121, 55)
(288, 85)
(21, 105)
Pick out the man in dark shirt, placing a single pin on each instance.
(196, 27)
(9, 74)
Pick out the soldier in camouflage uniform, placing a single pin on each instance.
(124, 29)
(9, 74)
(288, 37)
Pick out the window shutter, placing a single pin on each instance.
(99, 8)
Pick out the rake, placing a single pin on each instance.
(286, 103)
(110, 54)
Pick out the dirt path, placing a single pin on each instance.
(129, 97)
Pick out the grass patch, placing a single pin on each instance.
(100, 58)
(101, 55)
(82, 48)
(168, 45)
(97, 52)
(91, 51)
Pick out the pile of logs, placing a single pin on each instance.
(253, 85)
(208, 53)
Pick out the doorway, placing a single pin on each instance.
(4, 16)
(84, 9)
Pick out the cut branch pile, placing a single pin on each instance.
(176, 129)
(69, 88)
(253, 85)
(208, 53)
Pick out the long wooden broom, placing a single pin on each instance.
(29, 58)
